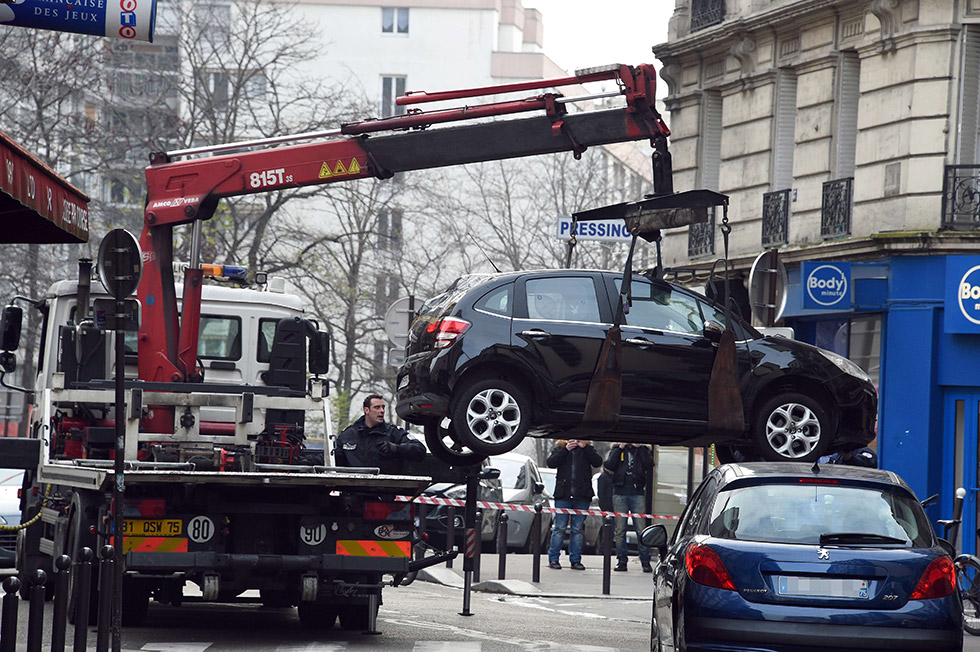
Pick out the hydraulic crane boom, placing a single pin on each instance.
(186, 191)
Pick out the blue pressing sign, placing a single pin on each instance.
(961, 312)
(126, 19)
(826, 285)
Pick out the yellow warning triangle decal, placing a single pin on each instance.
(340, 169)
(354, 168)
(325, 171)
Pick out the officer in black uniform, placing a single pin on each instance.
(371, 441)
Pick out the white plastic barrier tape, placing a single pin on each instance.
(428, 500)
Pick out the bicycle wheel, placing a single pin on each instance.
(971, 615)
(968, 583)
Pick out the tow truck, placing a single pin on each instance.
(220, 487)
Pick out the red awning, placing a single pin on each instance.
(36, 204)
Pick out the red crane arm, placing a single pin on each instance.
(184, 191)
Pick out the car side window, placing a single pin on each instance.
(564, 298)
(497, 301)
(692, 515)
(660, 307)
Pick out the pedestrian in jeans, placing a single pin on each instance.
(630, 466)
(574, 459)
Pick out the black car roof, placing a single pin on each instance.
(732, 472)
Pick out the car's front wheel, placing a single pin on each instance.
(491, 416)
(791, 427)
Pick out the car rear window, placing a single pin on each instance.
(801, 513)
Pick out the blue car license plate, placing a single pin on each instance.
(822, 587)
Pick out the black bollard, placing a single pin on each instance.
(607, 540)
(107, 570)
(35, 614)
(536, 544)
(83, 582)
(8, 615)
(60, 618)
(450, 532)
(502, 548)
(479, 546)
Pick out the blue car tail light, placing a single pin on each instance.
(705, 567)
(937, 581)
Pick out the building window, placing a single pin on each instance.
(701, 237)
(391, 87)
(705, 13)
(968, 148)
(848, 93)
(785, 132)
(394, 20)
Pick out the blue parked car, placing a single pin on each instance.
(794, 557)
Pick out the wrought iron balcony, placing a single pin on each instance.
(701, 237)
(705, 13)
(961, 197)
(775, 218)
(835, 208)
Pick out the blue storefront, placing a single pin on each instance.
(913, 322)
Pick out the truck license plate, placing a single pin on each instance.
(153, 527)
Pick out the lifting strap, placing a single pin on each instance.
(725, 414)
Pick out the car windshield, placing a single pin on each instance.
(512, 473)
(802, 513)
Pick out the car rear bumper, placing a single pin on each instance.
(417, 408)
(705, 634)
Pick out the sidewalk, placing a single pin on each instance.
(565, 583)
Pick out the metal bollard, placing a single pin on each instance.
(107, 571)
(8, 615)
(450, 531)
(536, 544)
(60, 618)
(35, 613)
(502, 548)
(479, 546)
(83, 582)
(607, 540)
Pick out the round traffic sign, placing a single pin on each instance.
(120, 263)
(768, 284)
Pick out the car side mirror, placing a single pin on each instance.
(655, 536)
(319, 357)
(947, 547)
(10, 322)
(713, 330)
(489, 473)
(538, 487)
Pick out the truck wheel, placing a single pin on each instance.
(791, 428)
(355, 616)
(441, 441)
(317, 615)
(491, 416)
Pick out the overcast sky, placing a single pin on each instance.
(577, 35)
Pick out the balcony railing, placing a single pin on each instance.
(961, 197)
(705, 13)
(775, 218)
(701, 238)
(835, 208)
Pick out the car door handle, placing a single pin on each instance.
(535, 332)
(639, 341)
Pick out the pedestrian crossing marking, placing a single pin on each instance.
(447, 646)
(176, 647)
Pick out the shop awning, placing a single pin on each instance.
(36, 204)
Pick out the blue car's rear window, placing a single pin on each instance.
(801, 513)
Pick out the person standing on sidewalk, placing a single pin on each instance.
(630, 466)
(574, 459)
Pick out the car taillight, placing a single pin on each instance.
(937, 581)
(705, 567)
(447, 330)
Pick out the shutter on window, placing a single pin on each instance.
(711, 140)
(785, 140)
(967, 151)
(847, 107)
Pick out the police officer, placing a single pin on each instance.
(370, 441)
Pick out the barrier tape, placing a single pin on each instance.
(430, 500)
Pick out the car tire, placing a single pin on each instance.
(449, 452)
(791, 427)
(491, 416)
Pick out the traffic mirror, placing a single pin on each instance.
(10, 324)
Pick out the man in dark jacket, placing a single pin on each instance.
(630, 466)
(574, 460)
(370, 441)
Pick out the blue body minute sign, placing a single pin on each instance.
(826, 285)
(962, 304)
(125, 19)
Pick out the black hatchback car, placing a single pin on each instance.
(498, 356)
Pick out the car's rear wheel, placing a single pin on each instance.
(491, 416)
(791, 427)
(442, 442)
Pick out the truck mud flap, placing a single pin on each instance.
(190, 561)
